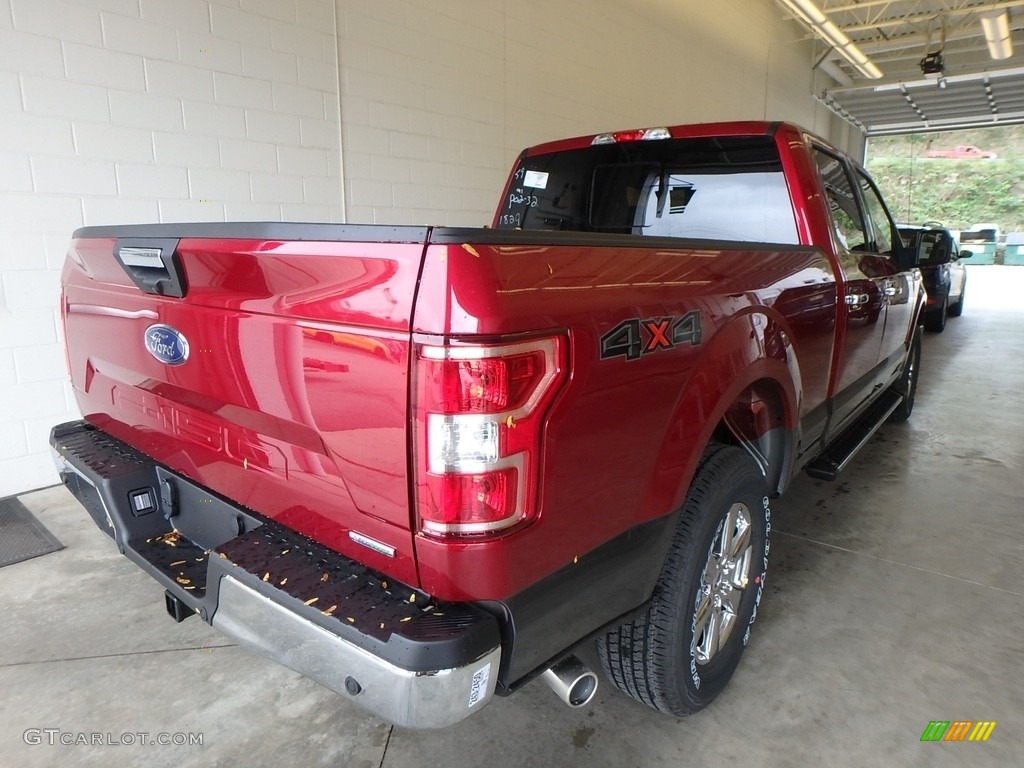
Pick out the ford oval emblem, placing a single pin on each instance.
(166, 344)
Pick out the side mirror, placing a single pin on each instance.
(965, 254)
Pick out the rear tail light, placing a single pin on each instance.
(480, 411)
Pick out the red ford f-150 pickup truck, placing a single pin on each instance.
(423, 465)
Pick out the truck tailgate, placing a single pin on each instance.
(278, 380)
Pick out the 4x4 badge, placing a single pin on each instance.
(634, 338)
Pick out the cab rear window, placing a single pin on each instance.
(730, 188)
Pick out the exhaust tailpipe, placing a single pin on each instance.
(572, 681)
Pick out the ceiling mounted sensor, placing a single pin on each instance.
(997, 35)
(819, 23)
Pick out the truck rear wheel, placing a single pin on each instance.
(682, 651)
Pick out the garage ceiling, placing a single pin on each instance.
(974, 89)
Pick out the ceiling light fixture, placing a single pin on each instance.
(997, 35)
(813, 17)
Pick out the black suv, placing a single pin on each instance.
(945, 278)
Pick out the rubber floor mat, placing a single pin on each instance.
(22, 537)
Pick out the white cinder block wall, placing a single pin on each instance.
(438, 96)
(120, 111)
(125, 111)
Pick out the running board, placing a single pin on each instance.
(841, 452)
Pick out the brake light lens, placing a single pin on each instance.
(475, 500)
(480, 413)
(642, 134)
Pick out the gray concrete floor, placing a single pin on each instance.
(894, 598)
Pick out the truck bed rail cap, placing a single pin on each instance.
(263, 230)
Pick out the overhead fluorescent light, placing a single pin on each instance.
(997, 35)
(813, 17)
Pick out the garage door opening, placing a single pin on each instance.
(969, 181)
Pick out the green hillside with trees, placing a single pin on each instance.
(957, 192)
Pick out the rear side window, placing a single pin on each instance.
(713, 188)
(881, 224)
(842, 202)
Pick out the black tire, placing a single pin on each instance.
(655, 658)
(935, 320)
(906, 385)
(955, 310)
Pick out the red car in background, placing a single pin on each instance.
(964, 150)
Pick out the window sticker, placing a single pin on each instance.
(536, 179)
(478, 687)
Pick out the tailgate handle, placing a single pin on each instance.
(153, 264)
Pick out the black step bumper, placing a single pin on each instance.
(393, 650)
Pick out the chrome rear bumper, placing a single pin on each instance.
(417, 663)
(432, 699)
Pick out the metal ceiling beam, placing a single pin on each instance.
(857, 6)
(919, 40)
(920, 18)
(1011, 74)
(953, 52)
(861, 5)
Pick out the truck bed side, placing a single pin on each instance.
(624, 437)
